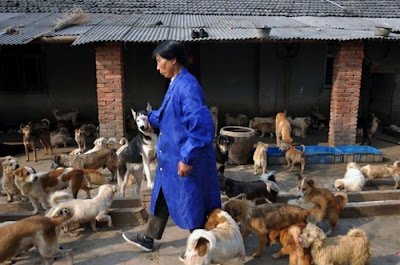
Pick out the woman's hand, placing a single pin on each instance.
(183, 169)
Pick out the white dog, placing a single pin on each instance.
(88, 210)
(221, 242)
(353, 247)
(300, 122)
(353, 180)
(99, 144)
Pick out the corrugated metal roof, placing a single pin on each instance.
(154, 28)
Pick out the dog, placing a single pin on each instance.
(222, 147)
(265, 188)
(33, 135)
(80, 139)
(260, 219)
(383, 171)
(282, 129)
(214, 115)
(67, 116)
(124, 144)
(103, 158)
(38, 186)
(59, 137)
(77, 151)
(259, 120)
(88, 210)
(90, 130)
(293, 155)
(318, 120)
(99, 144)
(38, 231)
(260, 158)
(353, 180)
(9, 165)
(368, 126)
(239, 120)
(300, 122)
(288, 237)
(265, 127)
(137, 157)
(353, 247)
(219, 242)
(335, 203)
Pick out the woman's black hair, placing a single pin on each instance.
(170, 49)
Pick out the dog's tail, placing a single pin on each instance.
(363, 242)
(62, 215)
(59, 196)
(343, 199)
(269, 179)
(93, 176)
(304, 149)
(46, 123)
(196, 239)
(317, 213)
(123, 141)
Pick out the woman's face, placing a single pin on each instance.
(166, 67)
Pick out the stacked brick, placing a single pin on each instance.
(110, 83)
(347, 71)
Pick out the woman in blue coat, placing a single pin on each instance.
(186, 185)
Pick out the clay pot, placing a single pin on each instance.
(240, 151)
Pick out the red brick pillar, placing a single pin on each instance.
(110, 83)
(347, 70)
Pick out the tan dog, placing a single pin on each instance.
(260, 157)
(89, 210)
(67, 116)
(80, 139)
(335, 203)
(35, 134)
(99, 144)
(294, 156)
(38, 231)
(214, 115)
(261, 219)
(95, 160)
(353, 247)
(9, 165)
(239, 120)
(265, 128)
(289, 238)
(37, 186)
(219, 242)
(259, 120)
(382, 172)
(282, 129)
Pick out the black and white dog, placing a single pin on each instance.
(264, 188)
(137, 157)
(224, 143)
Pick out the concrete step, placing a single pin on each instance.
(371, 208)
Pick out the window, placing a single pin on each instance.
(21, 69)
(329, 65)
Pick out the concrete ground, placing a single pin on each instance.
(108, 247)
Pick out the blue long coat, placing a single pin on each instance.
(186, 133)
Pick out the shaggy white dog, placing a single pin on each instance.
(88, 210)
(353, 247)
(353, 180)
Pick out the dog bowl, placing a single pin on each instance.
(382, 31)
(240, 151)
(263, 32)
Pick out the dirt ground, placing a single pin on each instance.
(107, 246)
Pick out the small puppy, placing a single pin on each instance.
(99, 144)
(222, 147)
(260, 219)
(335, 203)
(353, 180)
(214, 115)
(67, 116)
(239, 120)
(260, 157)
(219, 242)
(353, 247)
(266, 127)
(59, 137)
(88, 210)
(289, 238)
(265, 188)
(300, 122)
(282, 129)
(80, 139)
(33, 135)
(9, 165)
(38, 231)
(294, 156)
(382, 172)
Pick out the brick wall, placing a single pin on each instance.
(110, 83)
(347, 70)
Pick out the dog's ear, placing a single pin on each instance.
(299, 177)
(29, 123)
(310, 182)
(21, 126)
(17, 172)
(148, 107)
(133, 114)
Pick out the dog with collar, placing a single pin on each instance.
(222, 147)
(140, 152)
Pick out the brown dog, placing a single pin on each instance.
(260, 157)
(335, 203)
(38, 231)
(34, 134)
(95, 160)
(294, 156)
(289, 238)
(263, 218)
(282, 129)
(266, 127)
